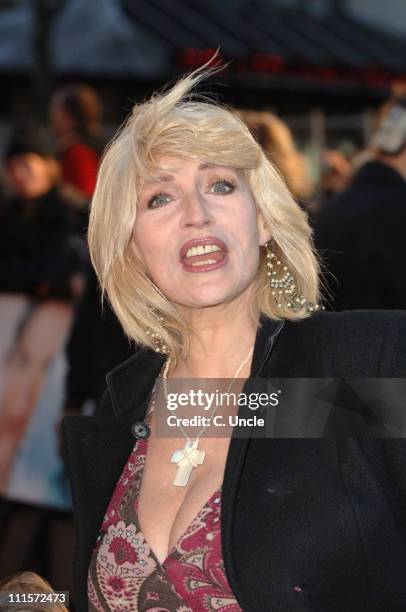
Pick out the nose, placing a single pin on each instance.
(196, 211)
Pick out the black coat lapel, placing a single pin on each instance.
(266, 339)
(131, 383)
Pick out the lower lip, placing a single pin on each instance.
(206, 267)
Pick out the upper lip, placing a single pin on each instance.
(201, 242)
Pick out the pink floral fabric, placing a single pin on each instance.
(124, 574)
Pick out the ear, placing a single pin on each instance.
(264, 231)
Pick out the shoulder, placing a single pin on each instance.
(142, 360)
(358, 323)
(359, 343)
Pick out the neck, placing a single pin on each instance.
(221, 339)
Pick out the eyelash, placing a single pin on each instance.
(154, 197)
(224, 182)
(230, 185)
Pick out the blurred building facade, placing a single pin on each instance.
(390, 18)
(322, 65)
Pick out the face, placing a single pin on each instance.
(198, 232)
(61, 120)
(29, 175)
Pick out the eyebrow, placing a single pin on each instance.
(208, 166)
(162, 178)
(168, 178)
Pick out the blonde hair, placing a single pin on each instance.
(176, 123)
(29, 582)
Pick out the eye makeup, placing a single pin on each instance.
(213, 181)
(157, 200)
(222, 187)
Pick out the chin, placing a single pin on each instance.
(208, 298)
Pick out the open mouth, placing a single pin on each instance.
(203, 255)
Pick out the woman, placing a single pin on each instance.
(75, 114)
(38, 261)
(187, 220)
(40, 276)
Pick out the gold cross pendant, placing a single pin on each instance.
(187, 459)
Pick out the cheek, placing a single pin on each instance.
(38, 177)
(248, 226)
(16, 173)
(42, 182)
(249, 239)
(142, 249)
(149, 245)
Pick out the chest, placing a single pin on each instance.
(303, 523)
(165, 510)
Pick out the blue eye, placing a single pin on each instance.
(159, 199)
(222, 187)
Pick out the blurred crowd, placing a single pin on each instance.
(49, 174)
(357, 208)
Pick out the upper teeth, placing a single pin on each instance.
(201, 250)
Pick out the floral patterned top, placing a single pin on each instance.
(124, 574)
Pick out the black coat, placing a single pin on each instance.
(360, 235)
(38, 254)
(307, 524)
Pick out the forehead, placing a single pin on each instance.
(167, 169)
(26, 159)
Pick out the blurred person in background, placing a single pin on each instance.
(41, 274)
(397, 93)
(96, 345)
(29, 583)
(335, 175)
(75, 115)
(36, 252)
(2, 190)
(97, 342)
(276, 139)
(360, 233)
